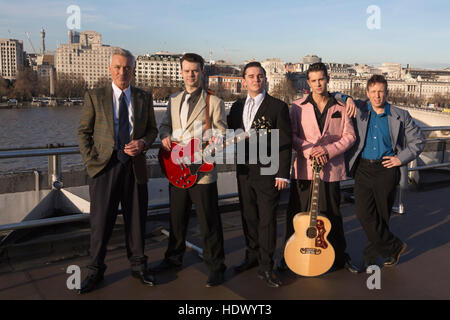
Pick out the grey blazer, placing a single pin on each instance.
(407, 139)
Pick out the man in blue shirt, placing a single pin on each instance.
(386, 140)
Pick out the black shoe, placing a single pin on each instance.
(282, 266)
(166, 265)
(90, 283)
(351, 267)
(246, 265)
(270, 278)
(392, 261)
(145, 276)
(215, 278)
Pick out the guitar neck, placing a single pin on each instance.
(315, 199)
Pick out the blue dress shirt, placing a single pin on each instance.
(378, 139)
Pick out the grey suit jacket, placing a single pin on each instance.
(407, 139)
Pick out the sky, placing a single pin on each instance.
(410, 31)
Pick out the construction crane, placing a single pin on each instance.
(29, 40)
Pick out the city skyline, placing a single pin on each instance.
(411, 32)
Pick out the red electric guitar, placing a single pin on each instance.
(182, 164)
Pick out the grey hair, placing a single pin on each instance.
(123, 53)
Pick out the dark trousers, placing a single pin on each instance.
(113, 185)
(375, 190)
(329, 202)
(205, 199)
(259, 203)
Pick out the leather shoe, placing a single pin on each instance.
(270, 278)
(145, 276)
(392, 261)
(215, 278)
(166, 265)
(90, 283)
(246, 265)
(351, 267)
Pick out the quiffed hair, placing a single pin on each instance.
(253, 64)
(318, 66)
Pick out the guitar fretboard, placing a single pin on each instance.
(314, 199)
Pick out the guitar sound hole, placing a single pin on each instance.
(311, 232)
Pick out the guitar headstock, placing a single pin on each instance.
(262, 124)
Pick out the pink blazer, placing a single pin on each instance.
(337, 137)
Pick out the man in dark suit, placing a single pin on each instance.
(386, 140)
(259, 192)
(117, 126)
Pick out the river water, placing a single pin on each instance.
(37, 127)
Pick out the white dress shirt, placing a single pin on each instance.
(184, 111)
(116, 102)
(251, 108)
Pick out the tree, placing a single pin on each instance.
(26, 85)
(4, 88)
(285, 91)
(70, 86)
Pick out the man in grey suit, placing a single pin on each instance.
(386, 140)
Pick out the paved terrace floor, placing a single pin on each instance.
(423, 271)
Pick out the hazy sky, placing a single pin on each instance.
(412, 31)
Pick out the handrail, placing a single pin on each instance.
(65, 150)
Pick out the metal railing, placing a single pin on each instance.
(54, 154)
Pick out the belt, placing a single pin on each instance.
(372, 161)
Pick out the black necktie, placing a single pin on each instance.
(124, 129)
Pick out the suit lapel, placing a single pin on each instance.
(136, 104)
(176, 106)
(394, 127)
(201, 104)
(328, 119)
(364, 121)
(311, 115)
(239, 114)
(108, 108)
(262, 109)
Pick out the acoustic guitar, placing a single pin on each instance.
(182, 164)
(308, 252)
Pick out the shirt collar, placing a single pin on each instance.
(194, 95)
(117, 92)
(387, 109)
(258, 99)
(310, 99)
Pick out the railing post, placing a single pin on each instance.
(54, 169)
(37, 188)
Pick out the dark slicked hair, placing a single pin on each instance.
(318, 66)
(253, 64)
(376, 78)
(192, 57)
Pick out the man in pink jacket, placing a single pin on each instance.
(321, 130)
